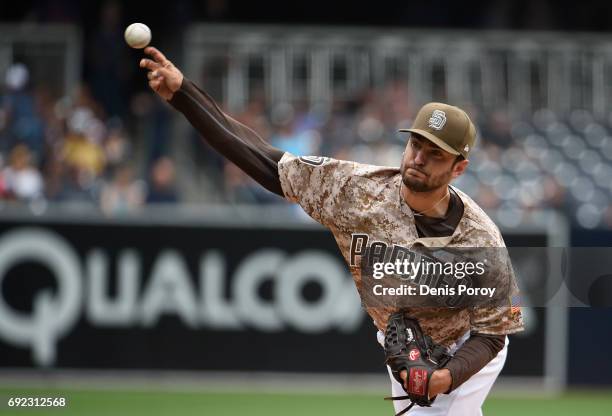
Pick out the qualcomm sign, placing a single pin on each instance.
(82, 290)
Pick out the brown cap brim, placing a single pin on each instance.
(441, 144)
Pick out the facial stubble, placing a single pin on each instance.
(429, 183)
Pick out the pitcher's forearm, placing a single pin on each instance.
(235, 141)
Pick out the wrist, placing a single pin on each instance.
(440, 382)
(180, 83)
(184, 86)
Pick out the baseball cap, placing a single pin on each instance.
(447, 126)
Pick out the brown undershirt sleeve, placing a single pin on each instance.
(235, 141)
(472, 356)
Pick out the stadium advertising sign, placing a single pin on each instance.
(177, 297)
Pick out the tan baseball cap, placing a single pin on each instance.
(446, 126)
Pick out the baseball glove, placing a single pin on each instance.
(407, 348)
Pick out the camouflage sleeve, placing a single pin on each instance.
(502, 319)
(496, 320)
(317, 184)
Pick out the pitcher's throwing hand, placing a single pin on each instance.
(164, 78)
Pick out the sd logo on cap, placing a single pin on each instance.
(447, 126)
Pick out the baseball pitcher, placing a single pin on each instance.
(443, 360)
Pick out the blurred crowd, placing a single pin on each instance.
(523, 163)
(107, 145)
(68, 149)
(71, 150)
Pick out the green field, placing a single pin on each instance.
(130, 403)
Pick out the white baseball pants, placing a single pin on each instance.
(466, 400)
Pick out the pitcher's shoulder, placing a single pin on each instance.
(375, 172)
(481, 225)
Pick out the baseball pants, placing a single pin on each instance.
(466, 400)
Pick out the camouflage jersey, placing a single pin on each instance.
(351, 198)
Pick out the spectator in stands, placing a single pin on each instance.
(123, 194)
(21, 121)
(162, 185)
(152, 119)
(22, 181)
(116, 147)
(81, 148)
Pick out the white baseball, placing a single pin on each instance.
(137, 35)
